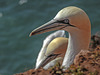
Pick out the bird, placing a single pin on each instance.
(76, 22)
(52, 51)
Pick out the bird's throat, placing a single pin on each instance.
(76, 43)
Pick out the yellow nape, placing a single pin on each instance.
(56, 46)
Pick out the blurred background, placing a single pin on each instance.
(18, 51)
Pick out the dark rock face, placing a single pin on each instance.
(95, 40)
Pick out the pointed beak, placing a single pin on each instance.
(49, 26)
(45, 60)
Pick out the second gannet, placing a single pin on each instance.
(53, 50)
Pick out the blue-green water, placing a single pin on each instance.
(18, 51)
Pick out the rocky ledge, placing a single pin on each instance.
(87, 62)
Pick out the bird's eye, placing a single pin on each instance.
(66, 21)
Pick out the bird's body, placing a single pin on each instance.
(54, 46)
(76, 22)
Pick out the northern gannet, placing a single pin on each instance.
(53, 50)
(76, 22)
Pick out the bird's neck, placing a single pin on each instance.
(77, 41)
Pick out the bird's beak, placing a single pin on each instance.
(45, 60)
(49, 26)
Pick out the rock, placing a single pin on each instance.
(86, 62)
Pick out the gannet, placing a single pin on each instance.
(53, 50)
(76, 22)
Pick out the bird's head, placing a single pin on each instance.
(70, 19)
